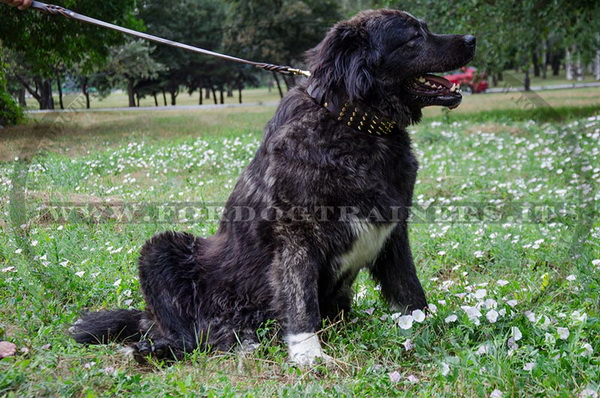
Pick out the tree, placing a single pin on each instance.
(46, 42)
(197, 23)
(10, 112)
(279, 31)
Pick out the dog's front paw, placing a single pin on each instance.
(305, 350)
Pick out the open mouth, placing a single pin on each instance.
(435, 90)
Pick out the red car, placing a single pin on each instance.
(469, 80)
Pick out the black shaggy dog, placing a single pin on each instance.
(327, 194)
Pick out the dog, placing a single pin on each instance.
(329, 192)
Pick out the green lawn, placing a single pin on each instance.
(505, 237)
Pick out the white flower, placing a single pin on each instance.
(484, 349)
(588, 393)
(571, 278)
(479, 254)
(445, 369)
(529, 366)
(546, 322)
(451, 318)
(394, 376)
(433, 308)
(563, 333)
(579, 317)
(412, 379)
(531, 316)
(418, 316)
(80, 273)
(512, 303)
(479, 294)
(492, 316)
(472, 312)
(9, 269)
(490, 303)
(441, 253)
(117, 282)
(496, 394)
(549, 339)
(408, 345)
(588, 350)
(18, 251)
(34, 243)
(512, 344)
(516, 333)
(502, 282)
(405, 322)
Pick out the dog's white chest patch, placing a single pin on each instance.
(369, 241)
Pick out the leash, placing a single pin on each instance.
(57, 10)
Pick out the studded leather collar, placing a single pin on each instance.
(350, 115)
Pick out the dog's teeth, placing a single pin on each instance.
(453, 88)
(422, 80)
(427, 83)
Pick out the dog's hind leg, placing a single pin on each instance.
(168, 276)
(395, 270)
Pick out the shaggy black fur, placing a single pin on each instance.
(314, 186)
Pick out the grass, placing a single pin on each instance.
(532, 277)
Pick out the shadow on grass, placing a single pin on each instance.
(538, 114)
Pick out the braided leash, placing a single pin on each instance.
(57, 10)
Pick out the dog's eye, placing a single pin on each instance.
(412, 41)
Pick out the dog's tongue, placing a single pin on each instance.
(438, 80)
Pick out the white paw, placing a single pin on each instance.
(305, 349)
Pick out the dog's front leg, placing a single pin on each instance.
(296, 298)
(395, 270)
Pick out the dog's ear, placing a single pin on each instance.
(343, 61)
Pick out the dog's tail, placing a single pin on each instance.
(108, 326)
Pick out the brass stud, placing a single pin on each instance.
(325, 104)
(349, 124)
(370, 131)
(339, 118)
(360, 128)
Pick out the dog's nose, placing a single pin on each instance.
(470, 40)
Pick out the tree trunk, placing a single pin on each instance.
(495, 79)
(130, 92)
(86, 94)
(229, 91)
(173, 97)
(278, 84)
(60, 92)
(536, 63)
(207, 95)
(164, 96)
(200, 97)
(137, 97)
(240, 94)
(544, 59)
(569, 67)
(221, 95)
(21, 97)
(214, 93)
(597, 63)
(155, 99)
(46, 95)
(527, 80)
(579, 69)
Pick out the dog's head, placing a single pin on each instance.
(385, 58)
